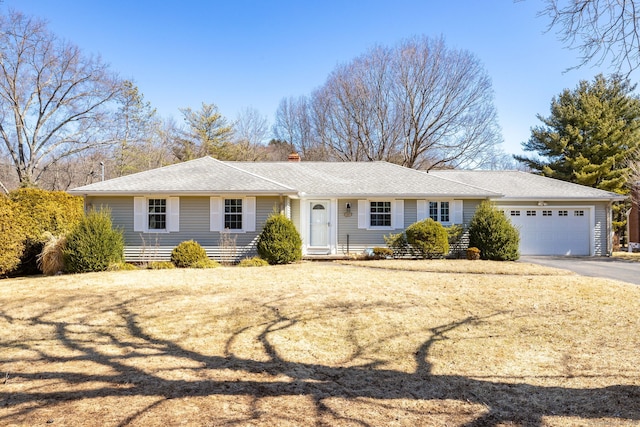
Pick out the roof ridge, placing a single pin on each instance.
(256, 175)
(464, 183)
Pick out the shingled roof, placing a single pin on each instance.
(306, 179)
(200, 176)
(517, 185)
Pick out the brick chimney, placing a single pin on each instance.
(293, 157)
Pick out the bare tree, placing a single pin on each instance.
(53, 100)
(600, 30)
(250, 133)
(293, 124)
(418, 104)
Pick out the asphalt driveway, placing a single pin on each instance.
(610, 268)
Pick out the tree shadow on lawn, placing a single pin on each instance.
(503, 402)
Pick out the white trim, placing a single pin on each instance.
(141, 214)
(216, 213)
(397, 213)
(590, 208)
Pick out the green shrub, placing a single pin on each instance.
(11, 236)
(279, 242)
(187, 253)
(122, 266)
(93, 245)
(382, 253)
(40, 212)
(397, 243)
(428, 238)
(205, 263)
(161, 265)
(253, 262)
(493, 234)
(473, 254)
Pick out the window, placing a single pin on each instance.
(380, 214)
(233, 214)
(439, 211)
(546, 213)
(515, 213)
(444, 211)
(531, 213)
(433, 210)
(578, 213)
(157, 219)
(563, 213)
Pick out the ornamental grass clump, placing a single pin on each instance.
(279, 242)
(189, 254)
(51, 259)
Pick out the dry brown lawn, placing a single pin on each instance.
(389, 343)
(628, 256)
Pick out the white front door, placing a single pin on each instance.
(319, 224)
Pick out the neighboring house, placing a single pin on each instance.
(338, 207)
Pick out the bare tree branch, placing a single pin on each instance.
(53, 100)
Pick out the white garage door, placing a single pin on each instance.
(552, 231)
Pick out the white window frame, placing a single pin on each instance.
(217, 214)
(397, 214)
(141, 214)
(455, 213)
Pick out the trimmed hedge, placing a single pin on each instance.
(493, 234)
(279, 242)
(11, 236)
(93, 245)
(43, 213)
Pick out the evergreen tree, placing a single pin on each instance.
(589, 135)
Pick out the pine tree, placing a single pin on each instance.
(589, 135)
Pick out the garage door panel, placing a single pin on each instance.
(552, 231)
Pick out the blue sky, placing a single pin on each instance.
(242, 53)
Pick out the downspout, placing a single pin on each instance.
(628, 216)
(610, 230)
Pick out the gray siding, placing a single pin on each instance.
(295, 212)
(194, 225)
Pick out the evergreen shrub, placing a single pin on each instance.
(493, 234)
(11, 236)
(397, 243)
(188, 253)
(40, 212)
(279, 242)
(93, 245)
(253, 262)
(428, 238)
